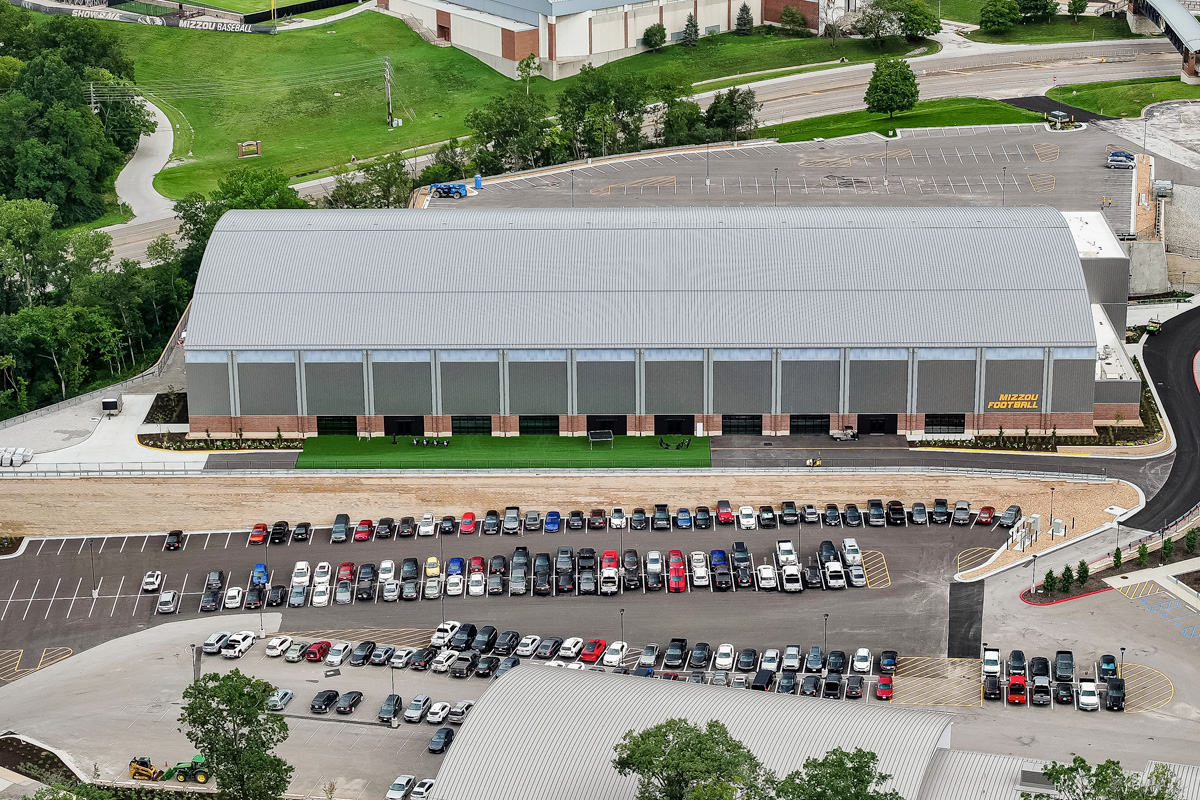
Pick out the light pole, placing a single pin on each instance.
(1003, 183)
(826, 650)
(1033, 576)
(262, 628)
(706, 147)
(984, 648)
(572, 206)
(1185, 281)
(623, 627)
(1052, 513)
(1121, 668)
(775, 187)
(441, 568)
(92, 558)
(885, 160)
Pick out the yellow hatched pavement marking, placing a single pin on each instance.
(656, 181)
(1146, 689)
(52, 655)
(10, 660)
(1136, 590)
(1047, 152)
(1041, 182)
(973, 557)
(397, 637)
(926, 681)
(875, 567)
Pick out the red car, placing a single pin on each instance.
(724, 512)
(608, 559)
(317, 651)
(362, 533)
(985, 516)
(259, 534)
(676, 573)
(345, 572)
(883, 689)
(593, 650)
(467, 523)
(477, 565)
(1016, 690)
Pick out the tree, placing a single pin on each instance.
(793, 22)
(1116, 558)
(1143, 555)
(831, 16)
(1108, 781)
(998, 16)
(624, 96)
(691, 31)
(1076, 7)
(389, 179)
(1049, 582)
(450, 163)
(839, 774)
(744, 26)
(655, 37)
(1067, 578)
(1082, 571)
(893, 87)
(225, 717)
(1037, 10)
(877, 21)
(917, 20)
(731, 112)
(511, 131)
(527, 67)
(82, 42)
(676, 760)
(1189, 540)
(683, 123)
(31, 253)
(1168, 548)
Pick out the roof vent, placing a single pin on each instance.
(1031, 777)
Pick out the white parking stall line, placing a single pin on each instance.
(116, 597)
(247, 538)
(147, 539)
(137, 598)
(8, 602)
(186, 537)
(960, 158)
(41, 544)
(32, 595)
(61, 545)
(74, 597)
(103, 541)
(53, 597)
(228, 536)
(952, 189)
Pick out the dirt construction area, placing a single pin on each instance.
(142, 505)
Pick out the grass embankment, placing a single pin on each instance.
(494, 452)
(1062, 28)
(281, 89)
(1123, 98)
(927, 114)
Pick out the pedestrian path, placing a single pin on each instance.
(1153, 580)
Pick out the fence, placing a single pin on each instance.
(272, 467)
(295, 8)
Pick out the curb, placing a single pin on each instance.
(1064, 600)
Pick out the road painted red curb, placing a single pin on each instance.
(1065, 599)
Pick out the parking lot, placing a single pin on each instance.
(1022, 164)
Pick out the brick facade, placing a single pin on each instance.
(839, 421)
(776, 424)
(639, 425)
(572, 425)
(711, 422)
(1106, 414)
(1074, 424)
(772, 9)
(437, 425)
(506, 425)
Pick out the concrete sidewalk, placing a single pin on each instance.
(135, 184)
(1163, 577)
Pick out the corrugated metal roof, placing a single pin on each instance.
(727, 277)
(961, 775)
(541, 733)
(1181, 21)
(1188, 776)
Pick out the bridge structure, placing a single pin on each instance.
(1177, 19)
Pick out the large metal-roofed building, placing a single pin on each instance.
(923, 321)
(529, 756)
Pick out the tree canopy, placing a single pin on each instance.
(838, 775)
(893, 87)
(676, 760)
(225, 718)
(1079, 780)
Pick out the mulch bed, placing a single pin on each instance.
(168, 409)
(180, 441)
(1191, 579)
(1095, 581)
(32, 761)
(9, 544)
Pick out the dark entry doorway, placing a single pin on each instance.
(744, 424)
(617, 424)
(876, 424)
(809, 423)
(337, 426)
(403, 426)
(674, 424)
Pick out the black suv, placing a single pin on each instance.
(662, 517)
(506, 643)
(215, 580)
(789, 514)
(587, 558)
(632, 563)
(279, 532)
(676, 655)
(407, 527)
(301, 532)
(895, 512)
(941, 511)
(1016, 662)
(702, 519)
(991, 687)
(638, 520)
(491, 522)
(827, 552)
(740, 555)
(833, 516)
(410, 569)
(766, 517)
(385, 528)
(485, 640)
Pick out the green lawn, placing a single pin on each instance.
(1060, 29)
(494, 452)
(1123, 98)
(927, 114)
(958, 10)
(305, 128)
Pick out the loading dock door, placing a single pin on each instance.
(403, 426)
(674, 424)
(616, 424)
(744, 424)
(876, 423)
(809, 423)
(337, 426)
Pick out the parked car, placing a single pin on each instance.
(279, 699)
(1016, 690)
(918, 514)
(279, 532)
(895, 513)
(1088, 696)
(322, 702)
(1010, 517)
(747, 519)
(985, 515)
(168, 602)
(883, 689)
(348, 702)
(962, 513)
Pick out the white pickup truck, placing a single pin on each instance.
(786, 553)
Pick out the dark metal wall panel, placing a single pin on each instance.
(878, 387)
(945, 387)
(674, 387)
(334, 388)
(208, 390)
(1106, 391)
(1074, 386)
(1108, 284)
(810, 387)
(402, 388)
(537, 387)
(267, 389)
(742, 387)
(606, 387)
(470, 387)
(1013, 377)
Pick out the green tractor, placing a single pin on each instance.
(185, 771)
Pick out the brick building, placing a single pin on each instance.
(919, 321)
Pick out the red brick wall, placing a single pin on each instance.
(839, 421)
(1106, 413)
(776, 424)
(1041, 424)
(572, 425)
(382, 5)
(370, 426)
(771, 9)
(437, 425)
(505, 426)
(217, 426)
(639, 425)
(711, 423)
(526, 42)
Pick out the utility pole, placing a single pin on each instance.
(387, 86)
